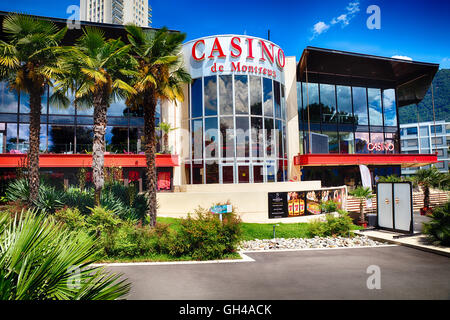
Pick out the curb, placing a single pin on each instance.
(396, 242)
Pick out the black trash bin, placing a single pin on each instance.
(372, 220)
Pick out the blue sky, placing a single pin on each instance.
(415, 29)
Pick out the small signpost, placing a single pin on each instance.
(226, 208)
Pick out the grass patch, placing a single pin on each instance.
(161, 257)
(251, 231)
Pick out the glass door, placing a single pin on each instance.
(227, 173)
(243, 173)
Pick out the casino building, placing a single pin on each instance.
(251, 116)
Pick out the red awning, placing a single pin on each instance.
(85, 160)
(405, 160)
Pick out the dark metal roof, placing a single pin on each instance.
(113, 31)
(411, 78)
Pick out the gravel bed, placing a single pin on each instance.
(303, 243)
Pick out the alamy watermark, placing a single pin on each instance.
(73, 22)
(374, 280)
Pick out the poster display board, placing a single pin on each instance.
(302, 203)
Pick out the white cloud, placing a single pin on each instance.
(319, 28)
(344, 19)
(402, 58)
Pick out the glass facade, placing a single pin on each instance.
(346, 119)
(238, 130)
(66, 130)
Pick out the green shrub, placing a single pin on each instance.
(438, 229)
(334, 226)
(82, 199)
(18, 190)
(329, 206)
(203, 237)
(49, 199)
(71, 217)
(39, 260)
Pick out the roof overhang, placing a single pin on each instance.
(404, 160)
(8, 160)
(411, 78)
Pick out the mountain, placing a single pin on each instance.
(441, 91)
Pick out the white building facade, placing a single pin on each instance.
(425, 138)
(116, 11)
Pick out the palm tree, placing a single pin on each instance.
(166, 128)
(27, 63)
(159, 75)
(105, 70)
(362, 194)
(43, 260)
(427, 178)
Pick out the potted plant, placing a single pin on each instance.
(362, 194)
(427, 178)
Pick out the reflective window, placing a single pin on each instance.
(361, 142)
(328, 102)
(346, 143)
(8, 99)
(117, 108)
(268, 97)
(197, 139)
(344, 102)
(11, 137)
(227, 136)
(375, 110)
(84, 135)
(257, 137)
(255, 95)
(211, 138)
(377, 140)
(360, 105)
(241, 94)
(411, 131)
(116, 139)
(424, 143)
(226, 95)
(394, 139)
(196, 92)
(212, 172)
(390, 108)
(197, 172)
(210, 96)
(333, 142)
(437, 129)
(242, 137)
(277, 100)
(311, 102)
(270, 138)
(61, 139)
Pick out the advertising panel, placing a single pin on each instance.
(303, 203)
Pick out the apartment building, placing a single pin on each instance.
(138, 12)
(425, 138)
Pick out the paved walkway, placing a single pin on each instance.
(418, 241)
(405, 273)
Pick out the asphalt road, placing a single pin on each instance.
(406, 273)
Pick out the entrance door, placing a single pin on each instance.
(402, 206)
(243, 173)
(258, 173)
(384, 205)
(227, 172)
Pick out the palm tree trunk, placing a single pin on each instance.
(33, 152)
(98, 147)
(426, 196)
(166, 142)
(361, 210)
(150, 152)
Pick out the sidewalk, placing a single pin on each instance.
(418, 241)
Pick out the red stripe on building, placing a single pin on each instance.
(405, 160)
(85, 160)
